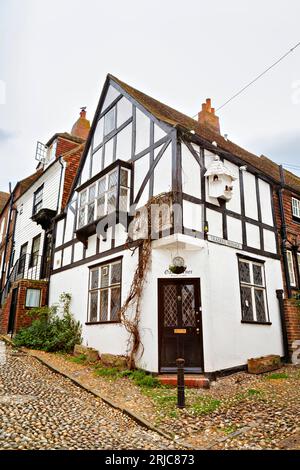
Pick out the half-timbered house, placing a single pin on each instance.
(209, 294)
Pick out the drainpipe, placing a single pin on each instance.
(279, 295)
(284, 233)
(6, 238)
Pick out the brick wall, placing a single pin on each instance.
(22, 319)
(72, 160)
(291, 311)
(292, 319)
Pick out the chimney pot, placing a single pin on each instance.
(82, 126)
(207, 117)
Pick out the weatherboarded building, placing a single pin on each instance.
(203, 283)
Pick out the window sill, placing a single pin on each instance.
(103, 322)
(256, 322)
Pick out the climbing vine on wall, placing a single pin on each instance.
(130, 312)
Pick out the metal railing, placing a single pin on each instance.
(28, 266)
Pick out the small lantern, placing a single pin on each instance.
(220, 180)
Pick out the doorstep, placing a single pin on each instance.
(190, 380)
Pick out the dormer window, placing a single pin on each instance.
(104, 195)
(296, 207)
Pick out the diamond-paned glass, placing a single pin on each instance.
(104, 305)
(93, 306)
(115, 273)
(112, 179)
(170, 305)
(91, 212)
(115, 303)
(188, 306)
(104, 276)
(95, 279)
(260, 305)
(257, 275)
(247, 308)
(244, 268)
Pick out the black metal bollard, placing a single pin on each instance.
(180, 383)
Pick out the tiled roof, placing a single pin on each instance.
(177, 119)
(4, 197)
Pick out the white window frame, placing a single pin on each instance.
(27, 298)
(253, 286)
(291, 267)
(298, 262)
(107, 210)
(296, 207)
(100, 289)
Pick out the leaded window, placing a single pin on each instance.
(101, 197)
(253, 291)
(105, 293)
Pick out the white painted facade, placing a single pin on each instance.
(214, 235)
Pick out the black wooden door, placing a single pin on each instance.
(12, 312)
(180, 324)
(47, 256)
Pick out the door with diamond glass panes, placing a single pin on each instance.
(180, 324)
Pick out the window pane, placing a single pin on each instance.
(115, 273)
(93, 306)
(289, 255)
(104, 276)
(98, 135)
(102, 186)
(257, 275)
(111, 201)
(260, 305)
(247, 309)
(124, 177)
(91, 212)
(123, 206)
(92, 192)
(82, 198)
(109, 121)
(81, 217)
(115, 303)
(101, 206)
(94, 279)
(112, 179)
(104, 305)
(244, 271)
(33, 297)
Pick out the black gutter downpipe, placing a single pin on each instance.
(284, 234)
(279, 295)
(6, 238)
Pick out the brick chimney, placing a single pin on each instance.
(207, 117)
(82, 126)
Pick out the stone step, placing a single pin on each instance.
(190, 380)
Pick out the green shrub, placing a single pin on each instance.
(276, 376)
(50, 331)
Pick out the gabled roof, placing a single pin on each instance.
(22, 185)
(177, 119)
(217, 167)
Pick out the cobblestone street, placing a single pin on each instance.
(41, 410)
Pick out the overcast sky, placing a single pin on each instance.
(55, 55)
